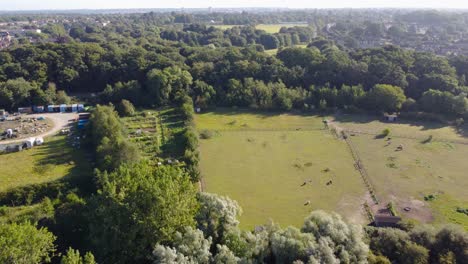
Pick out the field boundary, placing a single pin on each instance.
(266, 130)
(360, 167)
(461, 142)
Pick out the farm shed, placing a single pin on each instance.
(386, 220)
(74, 108)
(39, 109)
(63, 108)
(25, 110)
(391, 117)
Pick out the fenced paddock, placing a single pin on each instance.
(278, 166)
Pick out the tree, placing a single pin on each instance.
(217, 216)
(126, 108)
(189, 245)
(137, 207)
(74, 257)
(384, 97)
(14, 93)
(24, 244)
(108, 137)
(62, 97)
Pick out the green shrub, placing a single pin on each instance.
(385, 132)
(206, 134)
(126, 108)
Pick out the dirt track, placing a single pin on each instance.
(60, 121)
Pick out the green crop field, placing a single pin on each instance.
(428, 176)
(52, 161)
(263, 161)
(156, 132)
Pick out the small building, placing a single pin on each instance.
(82, 123)
(2, 112)
(74, 108)
(63, 108)
(81, 108)
(386, 220)
(391, 117)
(50, 108)
(39, 109)
(25, 110)
(84, 116)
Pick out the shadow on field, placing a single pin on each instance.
(424, 125)
(53, 153)
(260, 113)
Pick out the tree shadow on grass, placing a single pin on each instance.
(56, 152)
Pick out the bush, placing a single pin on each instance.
(385, 133)
(126, 108)
(206, 134)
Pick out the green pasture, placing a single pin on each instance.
(54, 160)
(426, 166)
(269, 28)
(264, 164)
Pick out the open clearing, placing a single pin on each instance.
(269, 28)
(421, 169)
(52, 161)
(263, 161)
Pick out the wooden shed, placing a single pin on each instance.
(386, 220)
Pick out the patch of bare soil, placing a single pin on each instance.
(353, 210)
(415, 209)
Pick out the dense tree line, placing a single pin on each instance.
(322, 75)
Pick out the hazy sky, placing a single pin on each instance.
(100, 4)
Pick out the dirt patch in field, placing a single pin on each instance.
(410, 208)
(352, 209)
(415, 209)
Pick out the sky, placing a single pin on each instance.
(125, 4)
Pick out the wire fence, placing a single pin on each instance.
(358, 164)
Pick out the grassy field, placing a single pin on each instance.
(262, 160)
(273, 52)
(52, 161)
(269, 28)
(421, 169)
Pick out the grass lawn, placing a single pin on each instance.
(52, 161)
(421, 169)
(275, 28)
(262, 165)
(273, 52)
(269, 28)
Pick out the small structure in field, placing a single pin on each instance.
(25, 110)
(39, 141)
(386, 220)
(29, 143)
(390, 117)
